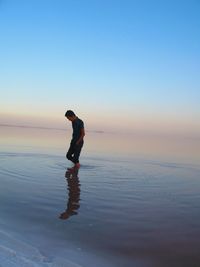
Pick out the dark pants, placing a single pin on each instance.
(74, 152)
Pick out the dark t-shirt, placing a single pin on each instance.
(77, 125)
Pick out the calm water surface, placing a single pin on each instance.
(120, 209)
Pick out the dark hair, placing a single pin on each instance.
(69, 113)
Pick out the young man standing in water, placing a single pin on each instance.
(77, 139)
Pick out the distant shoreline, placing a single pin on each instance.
(133, 134)
(31, 127)
(41, 127)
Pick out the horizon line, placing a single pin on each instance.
(177, 135)
(42, 127)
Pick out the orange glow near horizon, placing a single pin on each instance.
(139, 124)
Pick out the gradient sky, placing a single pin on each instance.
(119, 64)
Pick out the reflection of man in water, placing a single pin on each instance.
(77, 139)
(73, 196)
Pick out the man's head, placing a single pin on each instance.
(70, 115)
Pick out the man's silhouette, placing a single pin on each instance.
(77, 139)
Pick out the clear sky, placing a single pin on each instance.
(119, 64)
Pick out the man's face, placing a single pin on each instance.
(70, 118)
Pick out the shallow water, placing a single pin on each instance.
(117, 211)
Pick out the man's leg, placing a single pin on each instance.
(70, 153)
(77, 151)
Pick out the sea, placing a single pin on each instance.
(134, 202)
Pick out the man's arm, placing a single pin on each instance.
(81, 136)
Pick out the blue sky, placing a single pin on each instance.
(101, 58)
